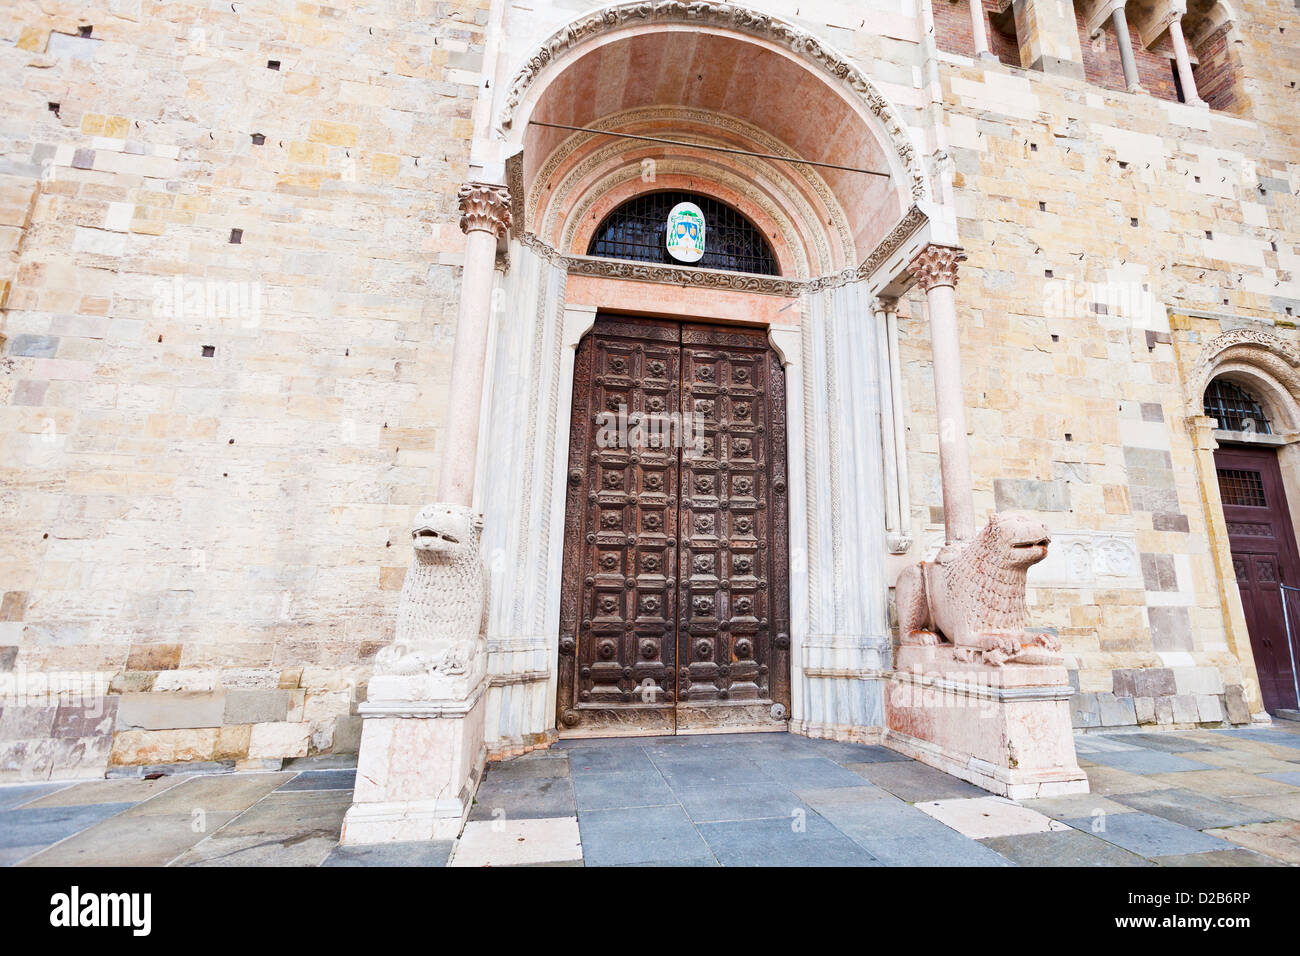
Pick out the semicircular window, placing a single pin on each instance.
(636, 230)
(1236, 409)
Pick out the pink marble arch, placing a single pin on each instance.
(708, 69)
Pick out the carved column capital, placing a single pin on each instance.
(484, 208)
(936, 266)
(884, 304)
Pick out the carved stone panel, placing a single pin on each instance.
(675, 609)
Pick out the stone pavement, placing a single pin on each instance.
(1191, 798)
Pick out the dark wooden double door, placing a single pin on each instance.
(675, 608)
(1264, 558)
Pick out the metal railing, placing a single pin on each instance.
(1287, 618)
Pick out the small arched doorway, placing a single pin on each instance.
(1261, 536)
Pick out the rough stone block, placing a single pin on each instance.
(1171, 628)
(132, 747)
(1116, 711)
(1185, 709)
(94, 718)
(1122, 682)
(153, 657)
(1158, 573)
(170, 711)
(1018, 494)
(1154, 682)
(1198, 680)
(1210, 708)
(232, 742)
(1084, 711)
(256, 706)
(1164, 710)
(1234, 702)
(279, 740)
(1145, 708)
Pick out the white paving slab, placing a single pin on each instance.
(518, 842)
(982, 817)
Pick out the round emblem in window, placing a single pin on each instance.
(685, 233)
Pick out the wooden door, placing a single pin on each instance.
(675, 607)
(1264, 557)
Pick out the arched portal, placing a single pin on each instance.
(715, 100)
(1246, 392)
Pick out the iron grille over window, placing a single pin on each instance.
(635, 230)
(1235, 408)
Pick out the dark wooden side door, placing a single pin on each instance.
(675, 607)
(1264, 557)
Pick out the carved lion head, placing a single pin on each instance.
(1017, 539)
(446, 530)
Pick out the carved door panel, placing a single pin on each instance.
(732, 635)
(675, 533)
(1264, 557)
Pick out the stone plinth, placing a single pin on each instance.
(421, 757)
(1006, 729)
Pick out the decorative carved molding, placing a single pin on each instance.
(936, 266)
(484, 208)
(1270, 353)
(912, 220)
(741, 20)
(542, 182)
(515, 185)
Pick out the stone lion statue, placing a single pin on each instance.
(442, 612)
(976, 599)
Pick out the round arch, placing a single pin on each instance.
(736, 62)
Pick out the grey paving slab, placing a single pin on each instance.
(219, 793)
(613, 760)
(314, 812)
(519, 767)
(1062, 848)
(872, 820)
(809, 841)
(132, 840)
(322, 780)
(1146, 761)
(690, 862)
(937, 848)
(46, 825)
(13, 855)
(644, 835)
(721, 771)
(1219, 858)
(1199, 811)
(1148, 835)
(846, 754)
(125, 790)
(17, 796)
(800, 771)
(1281, 738)
(1075, 805)
(612, 791)
(915, 782)
(522, 798)
(818, 798)
(420, 853)
(747, 802)
(1168, 743)
(259, 850)
(1286, 776)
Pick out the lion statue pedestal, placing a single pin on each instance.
(422, 746)
(974, 692)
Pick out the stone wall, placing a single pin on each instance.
(230, 271)
(231, 237)
(1088, 218)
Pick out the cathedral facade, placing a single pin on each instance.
(718, 317)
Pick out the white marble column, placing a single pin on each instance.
(979, 30)
(1119, 21)
(1190, 96)
(484, 217)
(935, 271)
